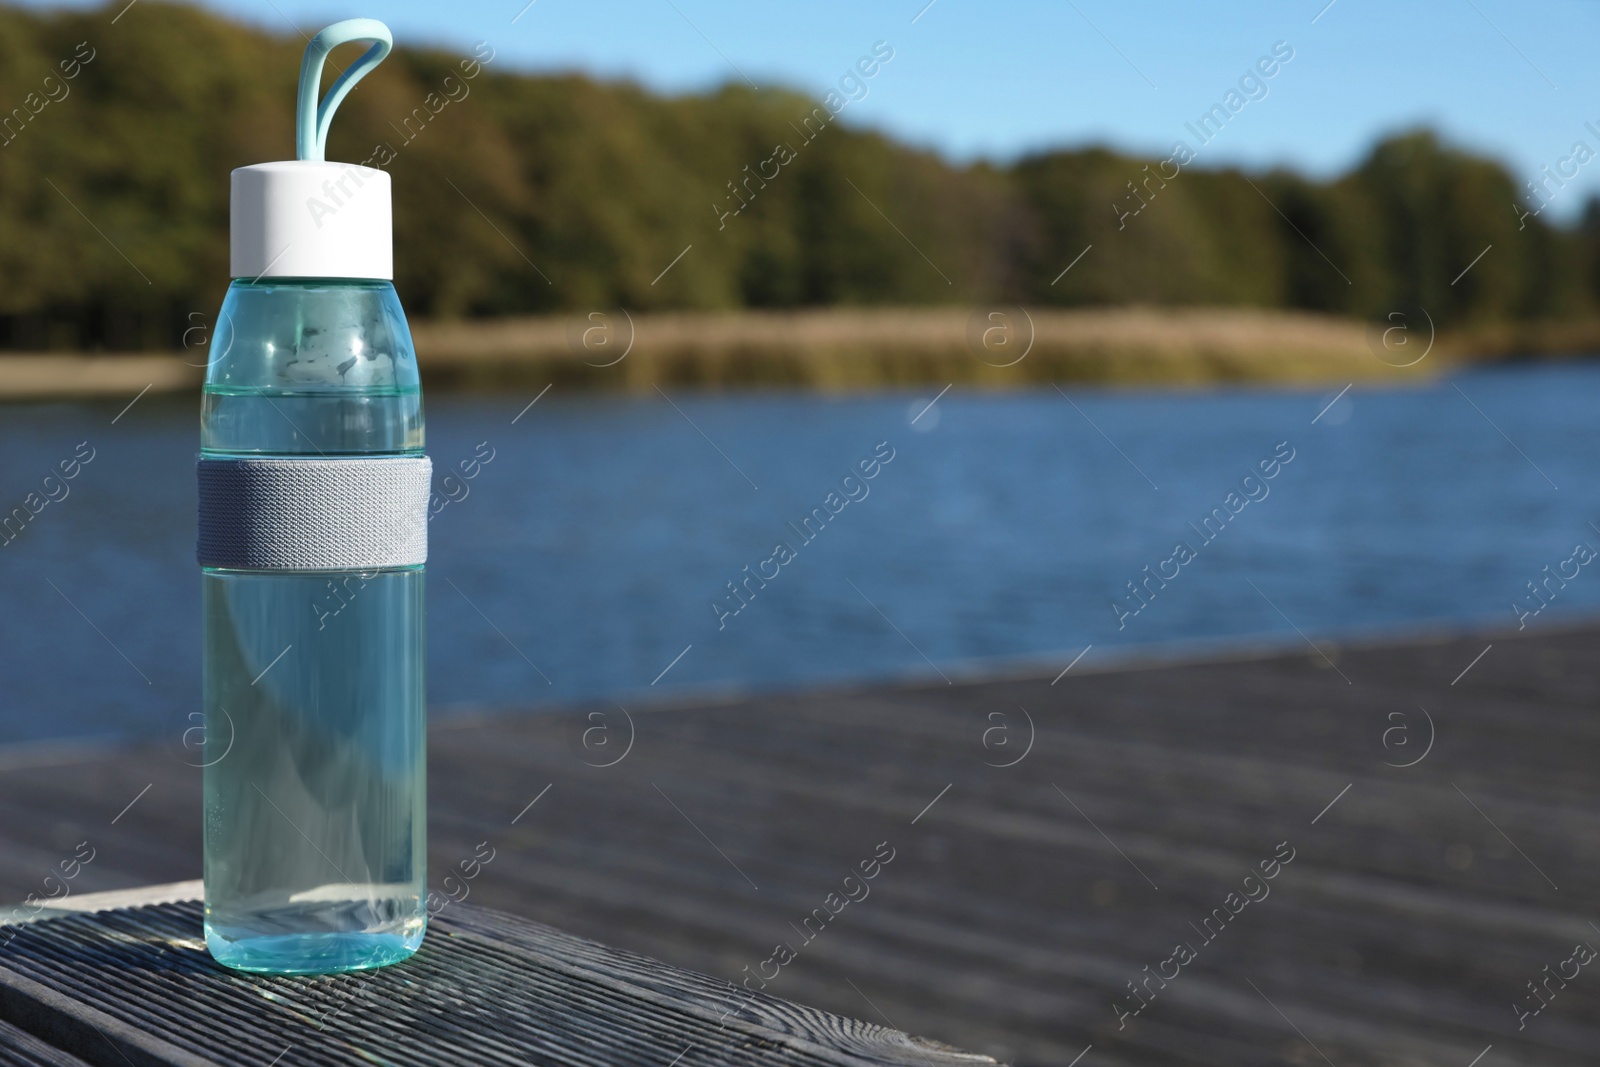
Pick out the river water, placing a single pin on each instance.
(583, 547)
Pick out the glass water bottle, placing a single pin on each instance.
(313, 500)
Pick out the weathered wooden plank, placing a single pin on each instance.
(135, 985)
(53, 1015)
(18, 1048)
(1401, 934)
(1200, 781)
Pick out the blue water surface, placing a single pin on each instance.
(585, 556)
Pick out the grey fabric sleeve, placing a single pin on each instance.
(314, 514)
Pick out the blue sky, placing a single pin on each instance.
(1001, 77)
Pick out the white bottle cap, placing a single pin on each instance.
(311, 219)
(307, 218)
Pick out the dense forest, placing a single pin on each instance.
(520, 194)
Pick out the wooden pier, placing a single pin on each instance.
(1040, 847)
(134, 986)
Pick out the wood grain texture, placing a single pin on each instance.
(18, 1048)
(136, 986)
(1020, 905)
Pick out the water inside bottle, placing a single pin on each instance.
(315, 736)
(315, 781)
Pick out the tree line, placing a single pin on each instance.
(517, 194)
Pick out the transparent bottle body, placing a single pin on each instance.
(312, 682)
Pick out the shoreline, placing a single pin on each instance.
(839, 350)
(35, 376)
(846, 349)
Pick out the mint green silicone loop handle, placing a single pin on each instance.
(311, 118)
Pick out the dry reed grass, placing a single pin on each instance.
(848, 348)
(840, 349)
